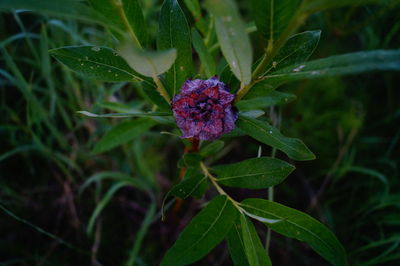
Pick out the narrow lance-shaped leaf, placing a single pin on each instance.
(203, 233)
(212, 148)
(236, 245)
(103, 203)
(126, 15)
(193, 183)
(260, 89)
(205, 57)
(123, 132)
(175, 33)
(298, 225)
(60, 8)
(351, 63)
(272, 16)
(233, 38)
(148, 63)
(99, 63)
(267, 134)
(195, 9)
(115, 177)
(253, 173)
(190, 160)
(296, 50)
(255, 252)
(154, 97)
(132, 114)
(272, 99)
(319, 5)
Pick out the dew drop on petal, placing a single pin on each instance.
(270, 132)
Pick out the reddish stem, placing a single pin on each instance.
(195, 148)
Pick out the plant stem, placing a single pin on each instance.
(276, 123)
(272, 51)
(182, 172)
(161, 89)
(217, 186)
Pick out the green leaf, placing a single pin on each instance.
(236, 245)
(253, 173)
(193, 183)
(175, 33)
(272, 99)
(141, 233)
(296, 50)
(260, 89)
(300, 226)
(132, 114)
(115, 176)
(126, 15)
(353, 63)
(155, 97)
(148, 63)
(99, 63)
(204, 232)
(255, 252)
(206, 58)
(103, 203)
(272, 16)
(252, 114)
(212, 148)
(190, 160)
(265, 133)
(71, 9)
(319, 5)
(122, 133)
(233, 38)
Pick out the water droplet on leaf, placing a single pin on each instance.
(298, 69)
(234, 64)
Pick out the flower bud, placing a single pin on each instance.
(203, 109)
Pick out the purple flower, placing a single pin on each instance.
(203, 109)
